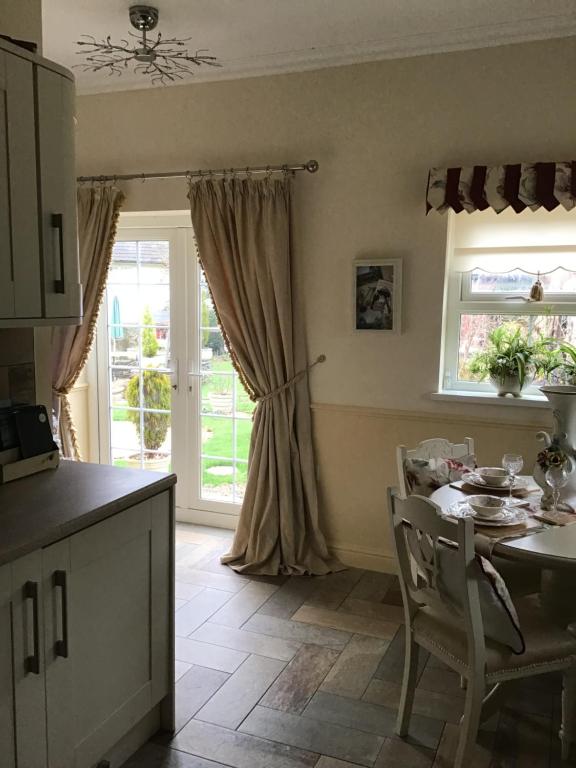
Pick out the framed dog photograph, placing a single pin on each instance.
(378, 295)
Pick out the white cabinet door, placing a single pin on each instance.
(62, 293)
(107, 631)
(28, 661)
(20, 287)
(6, 690)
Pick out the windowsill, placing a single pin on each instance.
(490, 398)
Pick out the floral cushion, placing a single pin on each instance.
(424, 476)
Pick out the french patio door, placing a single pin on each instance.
(168, 396)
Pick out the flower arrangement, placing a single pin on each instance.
(552, 456)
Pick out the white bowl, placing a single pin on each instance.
(495, 476)
(486, 506)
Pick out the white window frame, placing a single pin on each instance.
(460, 300)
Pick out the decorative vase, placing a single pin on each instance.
(562, 398)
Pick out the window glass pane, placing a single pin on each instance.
(208, 318)
(124, 305)
(217, 437)
(218, 480)
(159, 462)
(124, 432)
(517, 281)
(217, 393)
(156, 347)
(474, 330)
(154, 305)
(213, 354)
(124, 268)
(120, 379)
(124, 345)
(122, 457)
(154, 262)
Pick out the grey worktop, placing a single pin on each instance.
(43, 508)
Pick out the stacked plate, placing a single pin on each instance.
(492, 511)
(474, 479)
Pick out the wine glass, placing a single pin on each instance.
(556, 478)
(512, 463)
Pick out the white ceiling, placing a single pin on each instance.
(254, 37)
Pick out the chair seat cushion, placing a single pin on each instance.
(548, 646)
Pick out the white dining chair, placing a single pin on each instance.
(419, 531)
(435, 448)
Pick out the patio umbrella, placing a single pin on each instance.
(116, 332)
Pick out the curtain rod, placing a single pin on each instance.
(311, 166)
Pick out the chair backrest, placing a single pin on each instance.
(436, 448)
(419, 531)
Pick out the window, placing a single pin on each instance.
(493, 261)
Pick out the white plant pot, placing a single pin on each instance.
(507, 385)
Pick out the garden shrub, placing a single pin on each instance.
(155, 394)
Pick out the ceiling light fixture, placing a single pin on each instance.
(164, 60)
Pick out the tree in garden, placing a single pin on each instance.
(149, 341)
(156, 395)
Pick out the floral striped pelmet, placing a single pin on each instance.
(519, 186)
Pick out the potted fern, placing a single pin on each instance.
(512, 359)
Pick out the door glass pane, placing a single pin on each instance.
(138, 296)
(218, 480)
(226, 413)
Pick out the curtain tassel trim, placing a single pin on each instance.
(291, 382)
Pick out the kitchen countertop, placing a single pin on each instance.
(38, 510)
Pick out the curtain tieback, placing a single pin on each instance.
(291, 382)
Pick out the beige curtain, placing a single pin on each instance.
(98, 211)
(242, 228)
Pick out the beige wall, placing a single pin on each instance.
(22, 19)
(375, 129)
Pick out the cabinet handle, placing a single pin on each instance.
(61, 646)
(32, 663)
(58, 225)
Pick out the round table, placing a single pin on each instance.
(553, 550)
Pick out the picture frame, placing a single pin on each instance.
(377, 295)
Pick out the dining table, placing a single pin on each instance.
(550, 547)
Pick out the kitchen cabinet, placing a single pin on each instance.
(39, 268)
(28, 661)
(6, 690)
(91, 638)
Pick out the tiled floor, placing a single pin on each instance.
(302, 672)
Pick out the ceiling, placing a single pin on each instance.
(259, 37)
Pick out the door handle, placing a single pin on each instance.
(192, 378)
(61, 646)
(32, 663)
(174, 369)
(57, 222)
